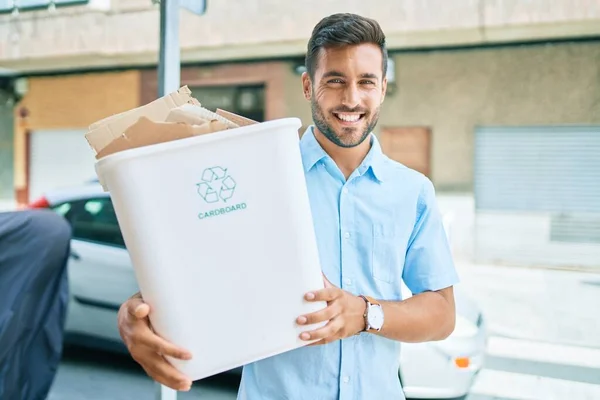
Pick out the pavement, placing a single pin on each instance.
(539, 304)
(86, 374)
(544, 344)
(7, 205)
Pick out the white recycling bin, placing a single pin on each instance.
(221, 238)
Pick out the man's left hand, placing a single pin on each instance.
(344, 312)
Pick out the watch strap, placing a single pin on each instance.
(370, 301)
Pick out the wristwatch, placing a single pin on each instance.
(373, 315)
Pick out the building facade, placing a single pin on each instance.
(471, 68)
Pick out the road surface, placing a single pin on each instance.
(544, 344)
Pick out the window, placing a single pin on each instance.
(247, 101)
(93, 220)
(62, 209)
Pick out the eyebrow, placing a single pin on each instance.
(334, 73)
(370, 76)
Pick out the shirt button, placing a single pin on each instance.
(345, 190)
(346, 379)
(348, 281)
(347, 235)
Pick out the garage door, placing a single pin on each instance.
(58, 158)
(537, 195)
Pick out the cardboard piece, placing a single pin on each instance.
(237, 119)
(185, 117)
(146, 132)
(189, 113)
(102, 132)
(175, 116)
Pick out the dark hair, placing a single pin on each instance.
(342, 30)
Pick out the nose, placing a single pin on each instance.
(351, 96)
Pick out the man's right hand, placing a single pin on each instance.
(147, 348)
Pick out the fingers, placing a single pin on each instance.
(137, 308)
(317, 343)
(327, 294)
(149, 349)
(159, 369)
(149, 339)
(141, 311)
(319, 316)
(141, 334)
(326, 334)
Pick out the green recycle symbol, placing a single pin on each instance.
(216, 185)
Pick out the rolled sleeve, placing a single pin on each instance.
(428, 265)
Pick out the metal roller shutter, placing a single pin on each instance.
(58, 158)
(537, 195)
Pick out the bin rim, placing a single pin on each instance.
(206, 138)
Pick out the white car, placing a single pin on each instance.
(102, 278)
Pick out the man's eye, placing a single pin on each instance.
(335, 81)
(368, 82)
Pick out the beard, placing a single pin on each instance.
(349, 136)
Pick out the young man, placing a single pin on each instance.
(376, 223)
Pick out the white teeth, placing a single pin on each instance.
(349, 117)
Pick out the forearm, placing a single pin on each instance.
(424, 317)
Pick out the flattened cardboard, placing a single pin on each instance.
(175, 99)
(175, 116)
(181, 116)
(146, 132)
(190, 112)
(237, 119)
(102, 133)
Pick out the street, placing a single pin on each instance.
(95, 375)
(544, 344)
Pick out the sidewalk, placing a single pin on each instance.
(545, 305)
(7, 205)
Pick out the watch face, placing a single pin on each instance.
(375, 317)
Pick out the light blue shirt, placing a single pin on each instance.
(377, 228)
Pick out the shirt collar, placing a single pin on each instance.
(312, 153)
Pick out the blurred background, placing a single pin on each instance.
(496, 101)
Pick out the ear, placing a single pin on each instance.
(383, 89)
(306, 86)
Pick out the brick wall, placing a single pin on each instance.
(70, 101)
(271, 74)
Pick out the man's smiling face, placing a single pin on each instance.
(346, 92)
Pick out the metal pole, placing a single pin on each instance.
(169, 62)
(165, 393)
(169, 65)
